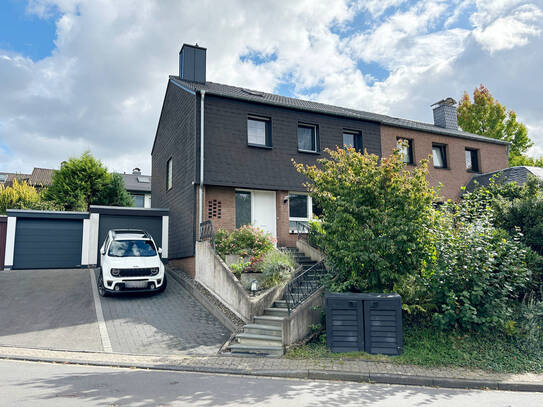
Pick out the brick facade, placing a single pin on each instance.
(492, 157)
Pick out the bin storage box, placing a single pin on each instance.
(364, 322)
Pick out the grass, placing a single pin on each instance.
(426, 346)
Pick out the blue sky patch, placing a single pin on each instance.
(373, 70)
(257, 57)
(26, 33)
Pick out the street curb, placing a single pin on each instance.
(307, 374)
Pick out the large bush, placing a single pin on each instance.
(478, 271)
(276, 267)
(375, 216)
(247, 241)
(22, 196)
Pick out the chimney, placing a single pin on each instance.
(136, 171)
(445, 114)
(192, 63)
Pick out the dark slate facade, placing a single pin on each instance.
(175, 138)
(229, 161)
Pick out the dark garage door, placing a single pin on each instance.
(150, 224)
(48, 243)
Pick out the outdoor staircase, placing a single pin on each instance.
(264, 337)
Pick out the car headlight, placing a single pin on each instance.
(115, 272)
(154, 271)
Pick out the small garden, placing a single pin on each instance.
(251, 255)
(470, 273)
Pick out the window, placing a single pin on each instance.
(3, 177)
(352, 139)
(169, 175)
(298, 206)
(259, 132)
(132, 248)
(139, 200)
(472, 160)
(405, 145)
(439, 153)
(243, 208)
(300, 211)
(307, 138)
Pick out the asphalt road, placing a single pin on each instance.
(44, 384)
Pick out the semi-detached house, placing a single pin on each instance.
(244, 174)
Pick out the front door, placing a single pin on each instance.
(264, 211)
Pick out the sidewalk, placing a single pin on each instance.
(346, 370)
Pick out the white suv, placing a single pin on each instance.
(130, 262)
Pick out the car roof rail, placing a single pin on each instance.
(115, 232)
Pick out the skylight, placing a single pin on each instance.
(144, 180)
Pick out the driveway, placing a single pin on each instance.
(48, 309)
(57, 309)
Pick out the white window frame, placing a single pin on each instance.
(169, 174)
(309, 211)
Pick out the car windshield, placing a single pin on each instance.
(132, 248)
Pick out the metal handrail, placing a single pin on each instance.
(304, 285)
(207, 232)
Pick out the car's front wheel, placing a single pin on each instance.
(101, 289)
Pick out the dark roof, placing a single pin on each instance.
(513, 174)
(42, 176)
(137, 182)
(249, 95)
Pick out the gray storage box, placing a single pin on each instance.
(364, 322)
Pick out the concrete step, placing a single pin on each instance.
(239, 349)
(280, 304)
(258, 329)
(269, 320)
(278, 312)
(259, 340)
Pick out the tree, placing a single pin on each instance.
(21, 196)
(114, 193)
(375, 216)
(488, 117)
(83, 181)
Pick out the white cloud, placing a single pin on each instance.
(103, 85)
(511, 31)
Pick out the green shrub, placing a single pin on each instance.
(478, 272)
(247, 241)
(529, 325)
(276, 267)
(375, 214)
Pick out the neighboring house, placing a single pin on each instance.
(249, 139)
(139, 187)
(40, 177)
(520, 175)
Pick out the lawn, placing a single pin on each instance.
(426, 346)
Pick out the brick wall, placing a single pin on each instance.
(186, 264)
(492, 157)
(223, 207)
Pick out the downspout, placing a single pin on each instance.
(201, 192)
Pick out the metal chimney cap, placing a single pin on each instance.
(136, 171)
(447, 101)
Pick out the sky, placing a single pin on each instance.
(79, 75)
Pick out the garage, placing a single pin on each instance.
(48, 240)
(148, 219)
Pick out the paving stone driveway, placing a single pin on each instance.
(48, 309)
(55, 309)
(172, 322)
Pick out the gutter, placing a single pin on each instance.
(201, 191)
